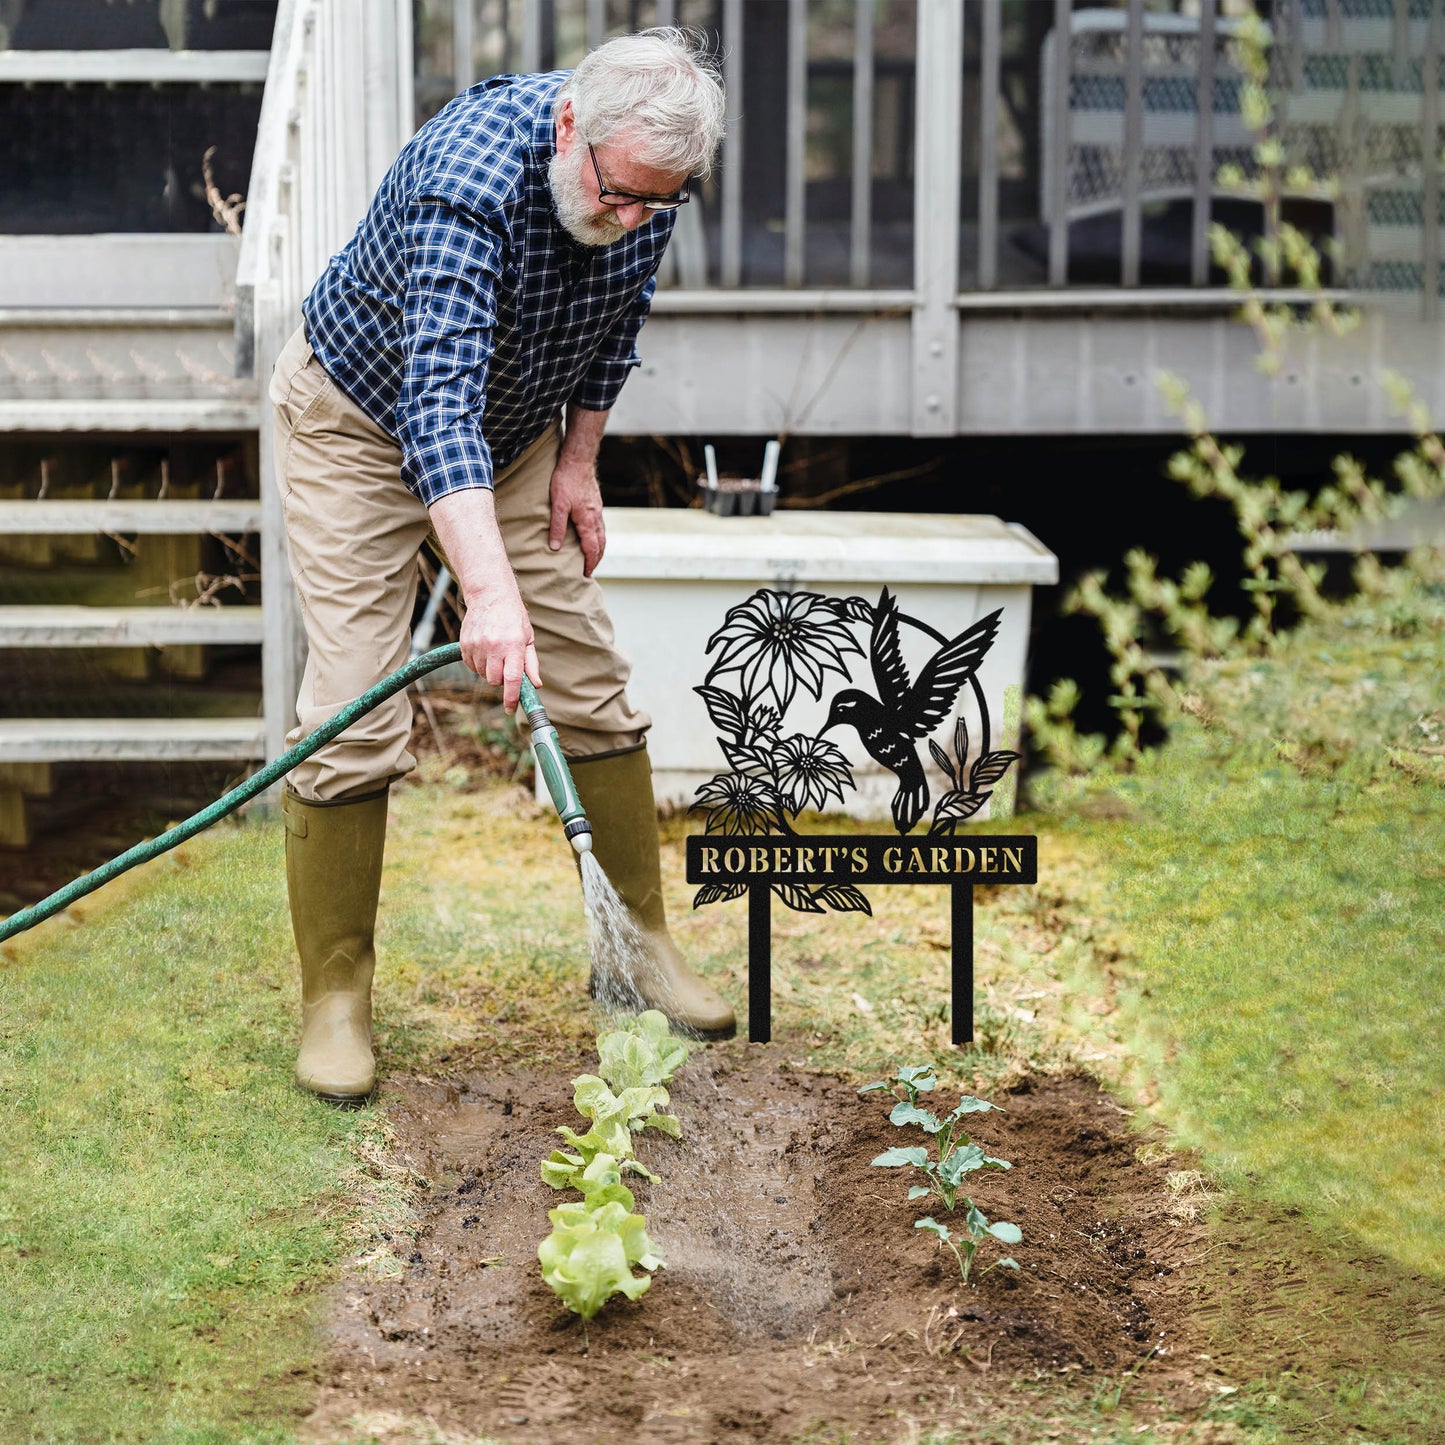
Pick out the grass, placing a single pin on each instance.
(1281, 889)
(1288, 941)
(1246, 943)
(1276, 904)
(169, 1203)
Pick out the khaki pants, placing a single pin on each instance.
(354, 533)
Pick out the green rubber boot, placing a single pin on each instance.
(616, 791)
(333, 877)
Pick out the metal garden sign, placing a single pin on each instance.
(770, 648)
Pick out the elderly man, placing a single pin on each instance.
(454, 374)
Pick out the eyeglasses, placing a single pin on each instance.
(620, 198)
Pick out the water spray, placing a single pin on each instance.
(553, 766)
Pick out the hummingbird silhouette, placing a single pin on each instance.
(890, 729)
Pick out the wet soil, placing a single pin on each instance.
(797, 1297)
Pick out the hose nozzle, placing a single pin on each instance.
(560, 787)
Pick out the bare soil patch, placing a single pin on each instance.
(797, 1296)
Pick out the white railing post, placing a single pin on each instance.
(338, 105)
(400, 40)
(281, 650)
(990, 75)
(1133, 217)
(795, 238)
(860, 240)
(732, 152)
(1199, 255)
(936, 189)
(1056, 143)
(388, 89)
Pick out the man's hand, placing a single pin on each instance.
(577, 498)
(497, 639)
(496, 631)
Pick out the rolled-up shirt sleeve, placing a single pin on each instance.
(600, 386)
(449, 316)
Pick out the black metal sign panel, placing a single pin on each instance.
(777, 645)
(872, 858)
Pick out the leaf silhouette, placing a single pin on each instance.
(958, 806)
(799, 899)
(943, 828)
(764, 723)
(990, 768)
(944, 761)
(718, 893)
(854, 609)
(844, 898)
(724, 709)
(755, 762)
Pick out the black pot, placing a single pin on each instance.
(746, 501)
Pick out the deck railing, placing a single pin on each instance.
(889, 158)
(1062, 147)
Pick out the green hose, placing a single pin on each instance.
(229, 802)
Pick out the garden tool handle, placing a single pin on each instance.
(547, 748)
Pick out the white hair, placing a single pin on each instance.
(658, 89)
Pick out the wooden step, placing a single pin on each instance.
(168, 518)
(133, 67)
(99, 414)
(128, 272)
(164, 355)
(143, 319)
(128, 626)
(110, 739)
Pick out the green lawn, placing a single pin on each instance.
(1289, 943)
(168, 1202)
(172, 1207)
(1253, 952)
(1281, 887)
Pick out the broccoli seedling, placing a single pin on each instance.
(958, 1156)
(965, 1244)
(957, 1153)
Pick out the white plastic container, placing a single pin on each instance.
(671, 575)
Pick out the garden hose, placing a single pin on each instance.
(544, 737)
(553, 767)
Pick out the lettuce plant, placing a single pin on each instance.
(640, 1054)
(635, 1061)
(595, 1241)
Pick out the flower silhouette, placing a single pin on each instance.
(777, 640)
(739, 803)
(808, 769)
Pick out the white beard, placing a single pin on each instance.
(574, 209)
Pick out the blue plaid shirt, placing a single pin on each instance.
(461, 317)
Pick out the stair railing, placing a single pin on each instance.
(338, 106)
